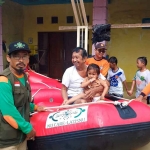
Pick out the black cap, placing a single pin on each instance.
(100, 46)
(18, 46)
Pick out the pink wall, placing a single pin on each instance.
(99, 14)
(1, 53)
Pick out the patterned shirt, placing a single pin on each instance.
(141, 79)
(116, 79)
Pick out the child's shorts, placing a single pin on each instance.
(95, 99)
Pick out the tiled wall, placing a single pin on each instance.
(99, 14)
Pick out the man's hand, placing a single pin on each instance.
(67, 103)
(41, 108)
(64, 102)
(140, 98)
(92, 92)
(31, 135)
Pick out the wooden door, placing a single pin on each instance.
(70, 40)
(56, 55)
(43, 50)
(55, 52)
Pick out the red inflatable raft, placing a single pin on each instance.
(37, 79)
(110, 125)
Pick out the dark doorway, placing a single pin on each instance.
(55, 50)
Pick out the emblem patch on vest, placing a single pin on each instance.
(17, 83)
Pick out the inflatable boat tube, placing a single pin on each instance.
(38, 78)
(93, 126)
(47, 95)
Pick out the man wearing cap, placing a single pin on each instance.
(15, 98)
(99, 60)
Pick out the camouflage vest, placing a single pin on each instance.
(22, 97)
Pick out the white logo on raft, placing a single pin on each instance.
(67, 117)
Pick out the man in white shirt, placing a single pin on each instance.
(73, 76)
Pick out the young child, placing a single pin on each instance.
(89, 82)
(141, 78)
(116, 77)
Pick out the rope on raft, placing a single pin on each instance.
(102, 101)
(121, 104)
(49, 87)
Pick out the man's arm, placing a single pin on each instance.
(34, 107)
(108, 83)
(144, 92)
(8, 109)
(105, 89)
(65, 85)
(64, 93)
(92, 92)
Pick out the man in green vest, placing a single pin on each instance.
(15, 98)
